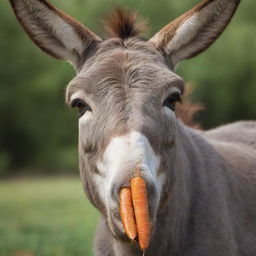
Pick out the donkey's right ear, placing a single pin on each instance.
(53, 31)
(194, 31)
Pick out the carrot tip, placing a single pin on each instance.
(141, 212)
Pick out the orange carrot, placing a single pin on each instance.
(127, 213)
(140, 204)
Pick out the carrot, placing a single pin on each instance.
(140, 204)
(127, 213)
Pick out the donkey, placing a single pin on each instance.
(201, 184)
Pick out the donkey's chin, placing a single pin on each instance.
(116, 226)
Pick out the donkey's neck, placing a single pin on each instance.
(173, 218)
(191, 175)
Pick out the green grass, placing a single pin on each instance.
(45, 217)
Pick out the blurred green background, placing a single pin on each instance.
(50, 216)
(45, 217)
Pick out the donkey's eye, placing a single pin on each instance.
(171, 100)
(81, 106)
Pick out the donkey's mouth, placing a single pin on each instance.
(117, 229)
(132, 221)
(116, 226)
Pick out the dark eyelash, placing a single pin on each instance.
(81, 105)
(171, 101)
(75, 102)
(174, 97)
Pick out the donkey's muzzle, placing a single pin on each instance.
(134, 212)
(117, 225)
(128, 156)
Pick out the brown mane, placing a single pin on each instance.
(124, 23)
(187, 111)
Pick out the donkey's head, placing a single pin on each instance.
(125, 92)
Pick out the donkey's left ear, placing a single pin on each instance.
(196, 30)
(56, 33)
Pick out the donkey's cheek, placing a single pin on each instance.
(85, 131)
(168, 112)
(84, 119)
(101, 185)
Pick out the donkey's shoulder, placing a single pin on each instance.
(242, 132)
(236, 143)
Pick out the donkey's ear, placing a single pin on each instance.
(196, 30)
(53, 31)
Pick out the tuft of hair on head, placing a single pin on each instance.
(187, 110)
(124, 23)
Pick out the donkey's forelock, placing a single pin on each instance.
(124, 23)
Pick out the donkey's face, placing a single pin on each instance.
(125, 91)
(127, 95)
